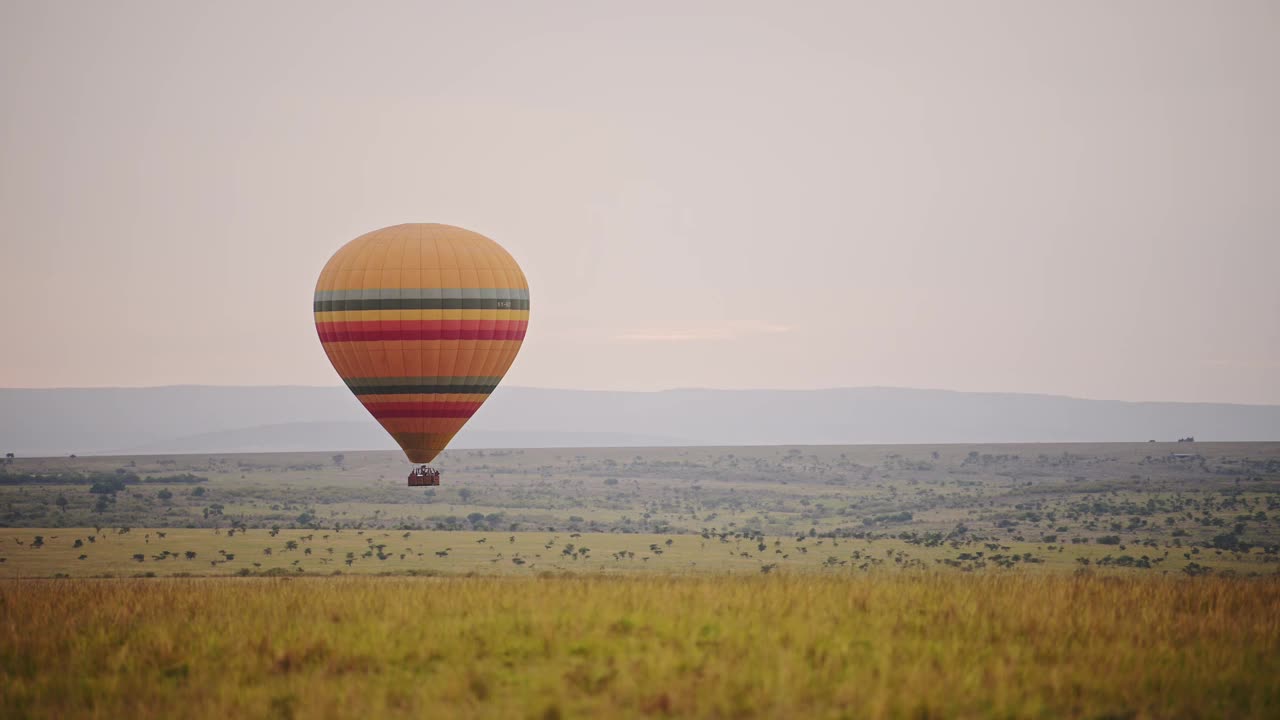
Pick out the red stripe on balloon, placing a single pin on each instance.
(369, 330)
(386, 410)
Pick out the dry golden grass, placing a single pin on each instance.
(885, 645)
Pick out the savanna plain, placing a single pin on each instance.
(1101, 581)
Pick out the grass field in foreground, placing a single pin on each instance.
(895, 645)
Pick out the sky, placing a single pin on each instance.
(1077, 198)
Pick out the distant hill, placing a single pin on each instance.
(368, 435)
(193, 419)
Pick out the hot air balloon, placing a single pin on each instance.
(421, 321)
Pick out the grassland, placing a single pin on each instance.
(899, 645)
(1143, 507)
(1116, 581)
(182, 552)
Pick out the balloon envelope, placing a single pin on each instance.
(421, 321)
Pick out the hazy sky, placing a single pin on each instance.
(1070, 197)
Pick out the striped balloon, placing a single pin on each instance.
(422, 321)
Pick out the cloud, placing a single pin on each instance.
(673, 335)
(1242, 365)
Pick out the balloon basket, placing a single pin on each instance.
(424, 476)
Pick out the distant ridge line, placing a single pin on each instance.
(299, 417)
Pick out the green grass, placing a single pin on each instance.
(795, 645)
(894, 581)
